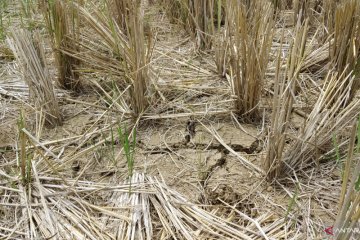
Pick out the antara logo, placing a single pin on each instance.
(330, 230)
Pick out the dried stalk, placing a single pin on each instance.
(30, 55)
(250, 36)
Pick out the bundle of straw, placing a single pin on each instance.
(29, 52)
(250, 36)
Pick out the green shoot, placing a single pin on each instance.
(357, 184)
(2, 28)
(292, 203)
(129, 148)
(337, 151)
(26, 6)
